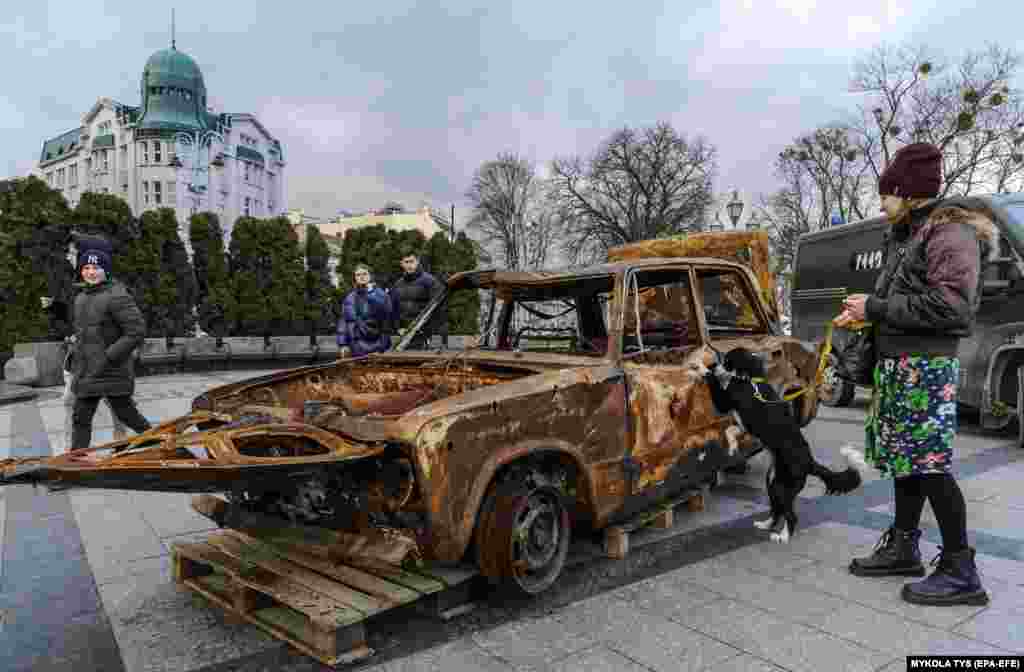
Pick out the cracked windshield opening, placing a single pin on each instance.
(567, 318)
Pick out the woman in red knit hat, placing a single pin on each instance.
(925, 301)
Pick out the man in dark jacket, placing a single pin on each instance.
(925, 301)
(410, 295)
(108, 328)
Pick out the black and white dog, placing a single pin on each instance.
(736, 387)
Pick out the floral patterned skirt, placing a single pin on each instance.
(912, 421)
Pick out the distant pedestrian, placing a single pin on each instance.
(108, 328)
(926, 300)
(410, 294)
(60, 311)
(366, 319)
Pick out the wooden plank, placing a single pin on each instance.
(424, 585)
(664, 519)
(350, 576)
(366, 604)
(345, 644)
(616, 542)
(320, 609)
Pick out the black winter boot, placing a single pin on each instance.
(954, 581)
(897, 553)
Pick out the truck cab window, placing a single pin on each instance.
(727, 306)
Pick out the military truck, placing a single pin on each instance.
(847, 259)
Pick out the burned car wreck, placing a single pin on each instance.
(581, 404)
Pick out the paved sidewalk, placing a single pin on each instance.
(86, 581)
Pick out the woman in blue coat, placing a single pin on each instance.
(365, 318)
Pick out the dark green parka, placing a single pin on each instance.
(108, 328)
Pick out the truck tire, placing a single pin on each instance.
(835, 391)
(522, 537)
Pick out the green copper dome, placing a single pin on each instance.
(173, 93)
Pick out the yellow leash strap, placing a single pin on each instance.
(826, 350)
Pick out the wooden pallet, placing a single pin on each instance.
(316, 605)
(662, 516)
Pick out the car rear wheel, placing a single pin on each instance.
(835, 391)
(522, 537)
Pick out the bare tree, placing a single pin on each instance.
(508, 212)
(639, 184)
(969, 111)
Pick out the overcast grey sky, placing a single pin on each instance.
(403, 100)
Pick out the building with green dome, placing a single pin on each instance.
(172, 150)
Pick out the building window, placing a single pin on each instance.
(172, 197)
(106, 159)
(124, 189)
(247, 206)
(73, 175)
(270, 207)
(124, 156)
(145, 152)
(103, 129)
(156, 192)
(246, 164)
(145, 192)
(49, 178)
(156, 151)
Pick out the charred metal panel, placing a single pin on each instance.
(577, 412)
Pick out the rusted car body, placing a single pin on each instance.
(582, 404)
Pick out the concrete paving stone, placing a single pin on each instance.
(812, 651)
(532, 643)
(596, 659)
(1002, 622)
(160, 627)
(662, 645)
(888, 633)
(767, 558)
(744, 663)
(882, 594)
(462, 655)
(113, 535)
(797, 603)
(3, 522)
(120, 571)
(78, 642)
(666, 595)
(6, 419)
(170, 514)
(769, 636)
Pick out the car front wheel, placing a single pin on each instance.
(522, 536)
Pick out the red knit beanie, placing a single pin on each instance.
(914, 172)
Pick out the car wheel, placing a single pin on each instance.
(835, 391)
(522, 537)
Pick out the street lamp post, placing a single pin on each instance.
(735, 208)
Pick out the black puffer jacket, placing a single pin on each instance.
(411, 294)
(108, 327)
(928, 294)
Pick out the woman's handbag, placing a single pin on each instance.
(858, 357)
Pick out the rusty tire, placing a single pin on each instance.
(522, 537)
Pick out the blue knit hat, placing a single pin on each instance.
(96, 257)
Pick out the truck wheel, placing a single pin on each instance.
(522, 537)
(835, 391)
